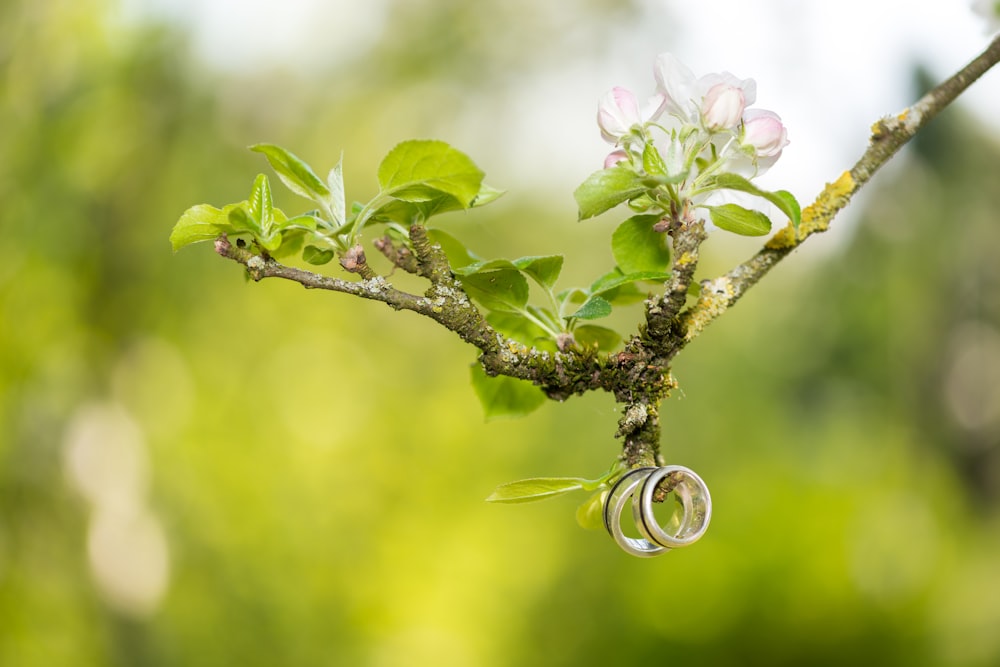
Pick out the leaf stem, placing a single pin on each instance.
(540, 323)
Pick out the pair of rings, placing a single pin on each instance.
(683, 527)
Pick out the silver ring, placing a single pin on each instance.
(695, 499)
(623, 491)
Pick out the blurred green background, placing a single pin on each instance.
(196, 470)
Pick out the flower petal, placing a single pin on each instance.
(678, 84)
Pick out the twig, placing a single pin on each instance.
(639, 376)
(559, 374)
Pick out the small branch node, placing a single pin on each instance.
(222, 246)
(255, 267)
(400, 257)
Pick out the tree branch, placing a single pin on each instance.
(399, 256)
(661, 312)
(639, 376)
(559, 374)
(460, 315)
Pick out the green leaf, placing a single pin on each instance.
(278, 218)
(590, 514)
(206, 223)
(306, 221)
(637, 248)
(200, 223)
(642, 203)
(605, 189)
(269, 243)
(458, 255)
(739, 220)
(420, 170)
(615, 287)
(652, 161)
(503, 290)
(424, 204)
(294, 173)
(783, 199)
(536, 488)
(625, 294)
(484, 265)
(258, 216)
(240, 218)
(542, 269)
(572, 295)
(292, 240)
(608, 281)
(487, 195)
(791, 206)
(593, 308)
(616, 279)
(337, 198)
(591, 335)
(259, 205)
(316, 255)
(504, 396)
(412, 206)
(408, 212)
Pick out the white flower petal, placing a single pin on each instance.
(679, 85)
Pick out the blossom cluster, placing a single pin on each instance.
(691, 129)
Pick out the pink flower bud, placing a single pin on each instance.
(617, 114)
(614, 157)
(722, 106)
(763, 131)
